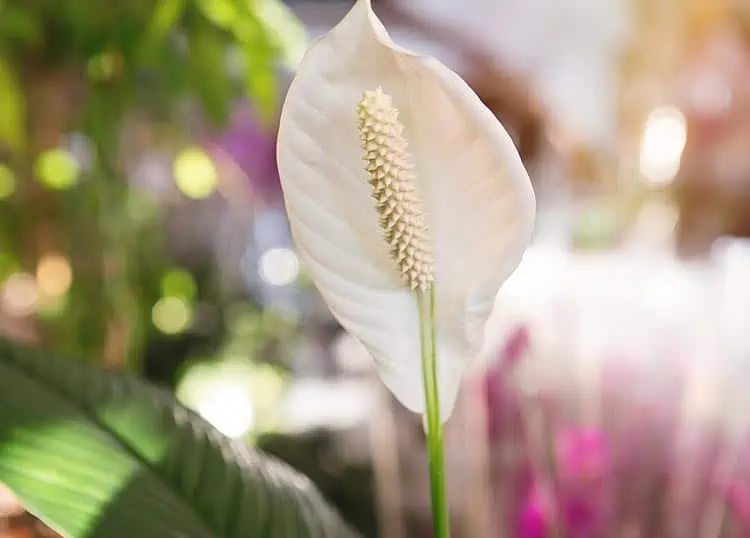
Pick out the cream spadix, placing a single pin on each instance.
(393, 189)
(453, 205)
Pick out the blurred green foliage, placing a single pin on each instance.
(101, 454)
(83, 68)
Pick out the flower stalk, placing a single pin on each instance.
(434, 423)
(387, 162)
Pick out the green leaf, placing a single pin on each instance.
(99, 454)
(220, 12)
(12, 109)
(18, 25)
(164, 18)
(208, 68)
(260, 80)
(283, 28)
(260, 57)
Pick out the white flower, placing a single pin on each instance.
(453, 202)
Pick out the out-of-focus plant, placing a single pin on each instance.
(100, 454)
(236, 390)
(653, 450)
(73, 76)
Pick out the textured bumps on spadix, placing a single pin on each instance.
(393, 188)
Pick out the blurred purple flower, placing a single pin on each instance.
(583, 517)
(655, 464)
(579, 516)
(514, 349)
(502, 404)
(738, 500)
(582, 486)
(251, 146)
(735, 489)
(583, 456)
(536, 514)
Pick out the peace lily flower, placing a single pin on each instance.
(440, 204)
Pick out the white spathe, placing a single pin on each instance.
(476, 195)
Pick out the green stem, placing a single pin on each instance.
(434, 426)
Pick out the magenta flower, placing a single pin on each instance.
(738, 500)
(251, 146)
(649, 467)
(583, 459)
(536, 514)
(502, 402)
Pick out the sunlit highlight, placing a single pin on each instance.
(195, 174)
(221, 12)
(172, 315)
(57, 169)
(279, 266)
(662, 145)
(229, 408)
(54, 275)
(20, 294)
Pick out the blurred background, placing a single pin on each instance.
(142, 228)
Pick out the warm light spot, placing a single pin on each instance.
(229, 408)
(662, 144)
(178, 283)
(233, 394)
(7, 182)
(172, 315)
(20, 294)
(195, 173)
(54, 275)
(279, 266)
(57, 169)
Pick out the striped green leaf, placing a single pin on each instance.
(100, 454)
